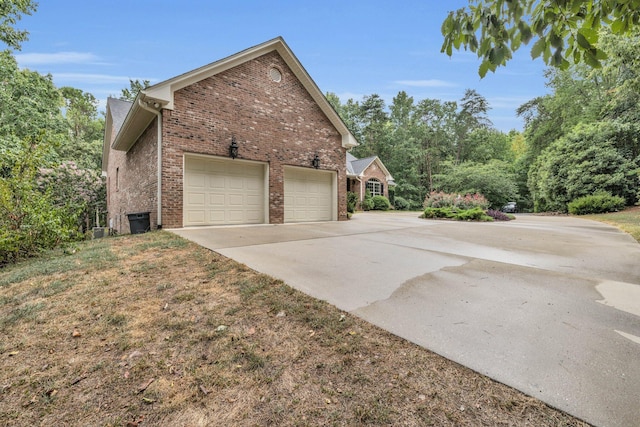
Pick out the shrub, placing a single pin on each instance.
(439, 199)
(30, 221)
(471, 201)
(367, 203)
(352, 201)
(380, 203)
(401, 204)
(600, 202)
(468, 201)
(475, 214)
(499, 215)
(433, 213)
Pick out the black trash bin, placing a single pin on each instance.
(139, 222)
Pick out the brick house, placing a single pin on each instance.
(368, 174)
(249, 139)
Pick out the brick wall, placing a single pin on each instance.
(132, 182)
(373, 171)
(274, 122)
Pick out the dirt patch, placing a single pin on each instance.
(152, 330)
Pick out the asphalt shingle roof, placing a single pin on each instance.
(119, 110)
(356, 166)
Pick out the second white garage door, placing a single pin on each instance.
(223, 191)
(308, 195)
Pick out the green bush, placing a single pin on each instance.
(30, 220)
(380, 203)
(401, 204)
(449, 212)
(433, 213)
(474, 214)
(367, 203)
(600, 202)
(352, 201)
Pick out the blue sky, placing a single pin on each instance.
(352, 48)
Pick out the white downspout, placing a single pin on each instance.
(158, 114)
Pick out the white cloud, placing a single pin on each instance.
(57, 58)
(425, 83)
(96, 78)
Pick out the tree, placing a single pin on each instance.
(436, 136)
(494, 180)
(11, 12)
(471, 117)
(135, 86)
(30, 221)
(29, 104)
(564, 29)
(582, 163)
(372, 120)
(84, 143)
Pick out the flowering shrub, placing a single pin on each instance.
(439, 200)
(78, 191)
(468, 201)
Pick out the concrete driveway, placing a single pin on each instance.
(547, 305)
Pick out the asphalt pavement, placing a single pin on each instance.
(549, 305)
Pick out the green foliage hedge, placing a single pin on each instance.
(602, 202)
(401, 204)
(380, 203)
(449, 212)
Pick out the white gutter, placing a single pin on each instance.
(158, 114)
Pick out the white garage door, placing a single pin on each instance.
(308, 195)
(223, 191)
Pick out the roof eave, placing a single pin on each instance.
(136, 122)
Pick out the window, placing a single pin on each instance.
(375, 187)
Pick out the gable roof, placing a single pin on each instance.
(116, 113)
(160, 95)
(356, 167)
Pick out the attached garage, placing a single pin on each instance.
(220, 191)
(309, 195)
(247, 139)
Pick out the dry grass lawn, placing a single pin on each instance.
(150, 330)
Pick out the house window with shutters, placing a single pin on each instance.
(375, 187)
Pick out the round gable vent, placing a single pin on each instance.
(275, 75)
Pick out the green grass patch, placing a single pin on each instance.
(24, 313)
(627, 220)
(157, 240)
(90, 255)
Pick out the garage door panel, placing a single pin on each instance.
(308, 195)
(220, 191)
(217, 182)
(196, 216)
(196, 199)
